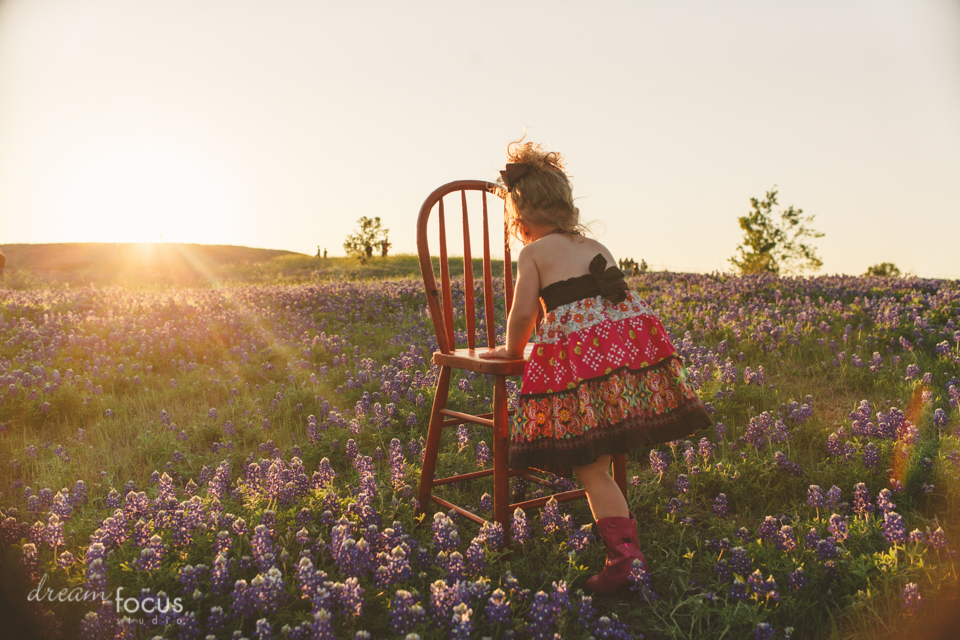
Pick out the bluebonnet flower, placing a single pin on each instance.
(486, 502)
(785, 465)
(350, 595)
(463, 437)
(884, 503)
(541, 617)
(456, 567)
(65, 560)
(659, 461)
(682, 485)
(497, 611)
(398, 465)
(462, 624)
(405, 612)
(738, 590)
(550, 518)
(674, 506)
(610, 628)
(815, 496)
(263, 550)
(838, 527)
(768, 529)
(445, 534)
(30, 561)
(796, 580)
(763, 631)
(189, 576)
(720, 505)
(705, 449)
(785, 540)
(832, 497)
(871, 456)
(586, 612)
(322, 628)
(939, 418)
(476, 557)
(910, 598)
(443, 598)
(325, 475)
(220, 574)
(491, 534)
(937, 539)
(580, 538)
(894, 528)
(834, 448)
(723, 570)
(152, 554)
(351, 450)
(826, 549)
(53, 533)
(520, 528)
(483, 455)
(740, 562)
(640, 582)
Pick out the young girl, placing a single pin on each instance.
(603, 377)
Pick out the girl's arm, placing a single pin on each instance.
(523, 313)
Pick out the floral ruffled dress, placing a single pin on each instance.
(603, 378)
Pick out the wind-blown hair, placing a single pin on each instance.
(543, 195)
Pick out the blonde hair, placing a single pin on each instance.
(543, 195)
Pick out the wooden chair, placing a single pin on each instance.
(449, 357)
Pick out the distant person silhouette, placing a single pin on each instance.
(3, 263)
(369, 250)
(384, 247)
(324, 252)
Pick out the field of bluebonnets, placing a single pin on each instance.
(241, 461)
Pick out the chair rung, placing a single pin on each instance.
(465, 417)
(462, 477)
(455, 422)
(566, 496)
(536, 479)
(466, 514)
(512, 473)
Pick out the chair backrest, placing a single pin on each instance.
(440, 301)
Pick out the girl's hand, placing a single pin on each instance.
(494, 354)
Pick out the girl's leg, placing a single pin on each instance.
(603, 493)
(615, 524)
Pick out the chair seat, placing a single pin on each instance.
(470, 360)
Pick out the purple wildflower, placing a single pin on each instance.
(910, 598)
(720, 505)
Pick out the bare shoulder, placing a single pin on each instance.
(602, 250)
(588, 248)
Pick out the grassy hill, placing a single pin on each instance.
(134, 265)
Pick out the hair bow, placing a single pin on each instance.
(512, 173)
(610, 281)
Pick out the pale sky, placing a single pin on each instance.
(278, 124)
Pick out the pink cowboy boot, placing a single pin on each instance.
(619, 536)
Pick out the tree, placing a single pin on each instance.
(770, 245)
(884, 270)
(370, 234)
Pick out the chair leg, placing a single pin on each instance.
(620, 473)
(434, 431)
(501, 457)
